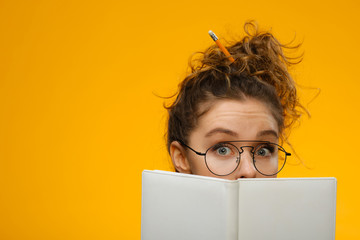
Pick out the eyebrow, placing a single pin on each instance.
(234, 134)
(221, 130)
(267, 132)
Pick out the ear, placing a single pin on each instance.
(178, 157)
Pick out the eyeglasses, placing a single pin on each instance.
(223, 158)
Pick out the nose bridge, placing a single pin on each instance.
(246, 168)
(251, 149)
(246, 154)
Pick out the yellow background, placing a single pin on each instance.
(79, 120)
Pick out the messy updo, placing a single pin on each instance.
(260, 71)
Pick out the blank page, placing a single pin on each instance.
(188, 207)
(287, 208)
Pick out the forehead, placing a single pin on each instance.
(245, 117)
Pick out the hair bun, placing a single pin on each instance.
(260, 70)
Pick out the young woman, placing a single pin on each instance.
(230, 117)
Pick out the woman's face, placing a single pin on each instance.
(227, 120)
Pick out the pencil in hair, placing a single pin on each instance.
(222, 48)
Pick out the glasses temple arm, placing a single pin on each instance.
(198, 153)
(286, 153)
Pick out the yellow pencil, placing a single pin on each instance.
(222, 48)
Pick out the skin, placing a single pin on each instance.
(227, 120)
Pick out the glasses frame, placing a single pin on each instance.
(240, 152)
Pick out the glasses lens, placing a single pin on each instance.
(222, 159)
(269, 158)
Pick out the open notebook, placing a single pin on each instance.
(182, 206)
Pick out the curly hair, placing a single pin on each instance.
(260, 71)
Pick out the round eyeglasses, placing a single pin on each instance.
(223, 158)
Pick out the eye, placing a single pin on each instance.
(223, 151)
(265, 151)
